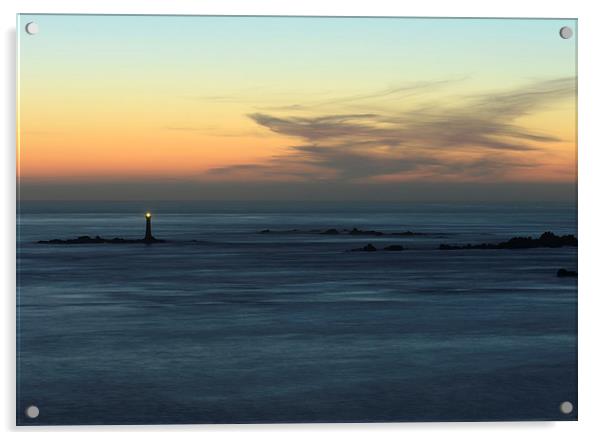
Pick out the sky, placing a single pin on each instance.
(294, 108)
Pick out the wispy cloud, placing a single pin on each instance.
(398, 92)
(478, 136)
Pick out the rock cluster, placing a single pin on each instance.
(547, 239)
(86, 239)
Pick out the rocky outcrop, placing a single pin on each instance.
(354, 232)
(562, 273)
(547, 239)
(394, 248)
(367, 248)
(372, 248)
(86, 239)
(269, 231)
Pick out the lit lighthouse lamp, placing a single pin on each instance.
(148, 236)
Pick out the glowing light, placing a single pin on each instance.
(148, 215)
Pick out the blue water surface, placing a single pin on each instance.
(243, 327)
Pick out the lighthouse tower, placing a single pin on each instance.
(148, 236)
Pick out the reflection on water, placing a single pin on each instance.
(248, 327)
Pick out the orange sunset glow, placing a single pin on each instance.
(250, 113)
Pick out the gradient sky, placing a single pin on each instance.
(164, 107)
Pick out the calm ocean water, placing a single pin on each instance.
(242, 327)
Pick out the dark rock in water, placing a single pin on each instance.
(86, 239)
(409, 233)
(367, 248)
(343, 231)
(547, 239)
(566, 273)
(394, 247)
(356, 231)
(451, 247)
(272, 231)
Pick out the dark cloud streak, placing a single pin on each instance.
(479, 136)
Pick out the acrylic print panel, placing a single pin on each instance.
(295, 219)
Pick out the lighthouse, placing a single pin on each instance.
(148, 236)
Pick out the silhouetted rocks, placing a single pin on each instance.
(356, 231)
(367, 248)
(562, 273)
(451, 247)
(394, 247)
(547, 239)
(86, 239)
(371, 248)
(269, 231)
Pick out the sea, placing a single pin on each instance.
(225, 324)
